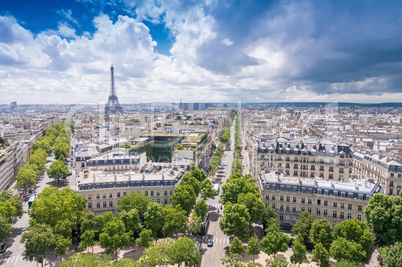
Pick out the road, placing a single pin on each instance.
(221, 242)
(13, 256)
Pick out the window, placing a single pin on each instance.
(98, 205)
(295, 166)
(318, 212)
(146, 193)
(294, 209)
(287, 165)
(349, 215)
(104, 195)
(330, 176)
(321, 168)
(110, 195)
(110, 204)
(342, 205)
(89, 196)
(335, 204)
(342, 215)
(310, 201)
(295, 173)
(359, 217)
(359, 208)
(303, 200)
(303, 209)
(312, 168)
(267, 197)
(309, 209)
(97, 196)
(280, 217)
(331, 169)
(318, 201)
(325, 212)
(287, 198)
(349, 206)
(391, 183)
(281, 198)
(273, 205)
(294, 199)
(104, 204)
(158, 201)
(273, 197)
(325, 202)
(287, 208)
(124, 193)
(118, 194)
(391, 192)
(281, 207)
(334, 214)
(89, 205)
(171, 192)
(340, 170)
(166, 201)
(165, 193)
(152, 193)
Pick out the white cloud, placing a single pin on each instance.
(227, 42)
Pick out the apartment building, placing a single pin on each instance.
(117, 161)
(333, 200)
(11, 160)
(307, 158)
(103, 191)
(384, 170)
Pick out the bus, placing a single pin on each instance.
(31, 200)
(216, 188)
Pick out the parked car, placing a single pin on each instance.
(210, 242)
(27, 197)
(21, 191)
(3, 248)
(31, 189)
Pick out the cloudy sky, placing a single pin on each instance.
(54, 51)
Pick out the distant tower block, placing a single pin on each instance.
(113, 105)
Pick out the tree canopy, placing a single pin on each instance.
(321, 232)
(235, 221)
(302, 226)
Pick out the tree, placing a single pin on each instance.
(321, 233)
(254, 206)
(114, 236)
(6, 229)
(194, 223)
(87, 260)
(253, 246)
(103, 219)
(274, 242)
(184, 196)
(320, 255)
(236, 247)
(270, 220)
(343, 249)
(135, 200)
(206, 189)
(383, 216)
(391, 256)
(232, 260)
(15, 202)
(299, 251)
(184, 250)
(145, 239)
(43, 143)
(197, 173)
(154, 218)
(7, 211)
(37, 241)
(276, 262)
(191, 181)
(201, 208)
(58, 170)
(235, 221)
(175, 220)
(157, 254)
(88, 222)
(302, 226)
(131, 219)
(87, 240)
(357, 232)
(38, 158)
(237, 184)
(61, 244)
(26, 176)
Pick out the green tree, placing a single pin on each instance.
(206, 189)
(113, 237)
(253, 246)
(153, 217)
(15, 202)
(254, 205)
(145, 239)
(131, 219)
(58, 170)
(184, 250)
(6, 229)
(302, 226)
(88, 222)
(37, 241)
(197, 173)
(87, 260)
(232, 260)
(201, 208)
(299, 251)
(383, 216)
(391, 256)
(235, 221)
(274, 242)
(43, 143)
(276, 262)
(343, 249)
(191, 181)
(157, 254)
(236, 247)
(175, 220)
(321, 232)
(7, 211)
(38, 158)
(103, 219)
(184, 196)
(61, 245)
(26, 177)
(270, 220)
(87, 240)
(355, 231)
(194, 223)
(237, 184)
(320, 255)
(135, 200)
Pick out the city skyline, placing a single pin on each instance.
(203, 51)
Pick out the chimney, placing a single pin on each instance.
(143, 176)
(115, 177)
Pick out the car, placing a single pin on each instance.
(220, 200)
(21, 191)
(27, 197)
(210, 243)
(31, 189)
(3, 248)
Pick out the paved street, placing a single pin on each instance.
(13, 256)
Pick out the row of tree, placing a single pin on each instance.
(237, 163)
(10, 209)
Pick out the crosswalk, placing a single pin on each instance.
(215, 206)
(217, 240)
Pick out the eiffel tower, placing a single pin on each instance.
(113, 105)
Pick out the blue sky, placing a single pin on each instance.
(200, 51)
